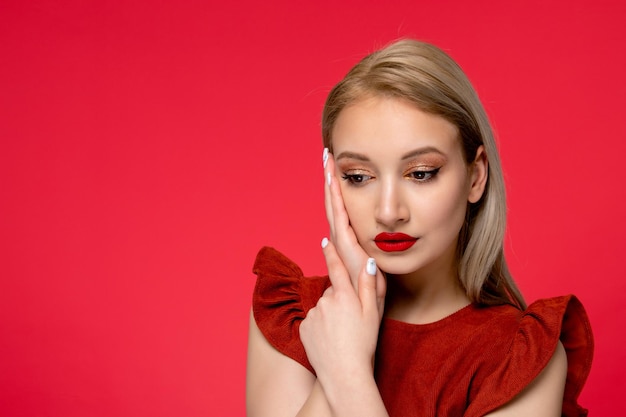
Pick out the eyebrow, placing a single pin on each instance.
(408, 155)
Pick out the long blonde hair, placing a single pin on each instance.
(426, 76)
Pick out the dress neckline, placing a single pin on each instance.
(445, 321)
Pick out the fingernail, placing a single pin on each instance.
(325, 156)
(371, 266)
(328, 178)
(324, 243)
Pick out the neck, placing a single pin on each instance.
(425, 296)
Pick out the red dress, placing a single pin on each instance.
(467, 364)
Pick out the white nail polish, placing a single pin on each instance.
(371, 266)
(324, 243)
(325, 156)
(328, 178)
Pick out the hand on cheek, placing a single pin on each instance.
(341, 233)
(341, 332)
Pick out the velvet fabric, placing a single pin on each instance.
(467, 364)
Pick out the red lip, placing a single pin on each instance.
(394, 242)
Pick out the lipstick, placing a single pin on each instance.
(394, 242)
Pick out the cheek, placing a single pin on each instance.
(448, 208)
(358, 210)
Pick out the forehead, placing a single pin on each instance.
(391, 125)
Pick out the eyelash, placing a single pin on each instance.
(360, 179)
(355, 179)
(426, 175)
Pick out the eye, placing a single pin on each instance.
(356, 179)
(423, 176)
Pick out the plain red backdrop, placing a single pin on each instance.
(148, 149)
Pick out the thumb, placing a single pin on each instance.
(381, 291)
(367, 286)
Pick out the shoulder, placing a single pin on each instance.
(524, 343)
(282, 297)
(544, 395)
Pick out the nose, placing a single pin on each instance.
(391, 209)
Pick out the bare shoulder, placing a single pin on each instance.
(276, 385)
(544, 396)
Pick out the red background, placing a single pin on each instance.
(148, 149)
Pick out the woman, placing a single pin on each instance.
(419, 315)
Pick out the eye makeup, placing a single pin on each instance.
(421, 166)
(421, 175)
(425, 168)
(355, 174)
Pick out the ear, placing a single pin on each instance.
(479, 172)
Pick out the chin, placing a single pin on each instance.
(395, 269)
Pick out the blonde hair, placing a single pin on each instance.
(427, 77)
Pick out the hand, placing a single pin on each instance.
(340, 334)
(341, 233)
(342, 236)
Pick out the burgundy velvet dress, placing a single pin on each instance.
(467, 364)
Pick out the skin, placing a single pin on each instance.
(412, 178)
(371, 187)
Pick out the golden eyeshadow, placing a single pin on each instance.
(433, 161)
(346, 165)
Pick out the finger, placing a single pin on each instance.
(337, 272)
(338, 213)
(331, 200)
(341, 231)
(367, 286)
(305, 324)
(381, 292)
(328, 292)
(372, 289)
(327, 202)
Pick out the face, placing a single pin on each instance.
(405, 184)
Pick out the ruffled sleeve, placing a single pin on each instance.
(532, 345)
(282, 297)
